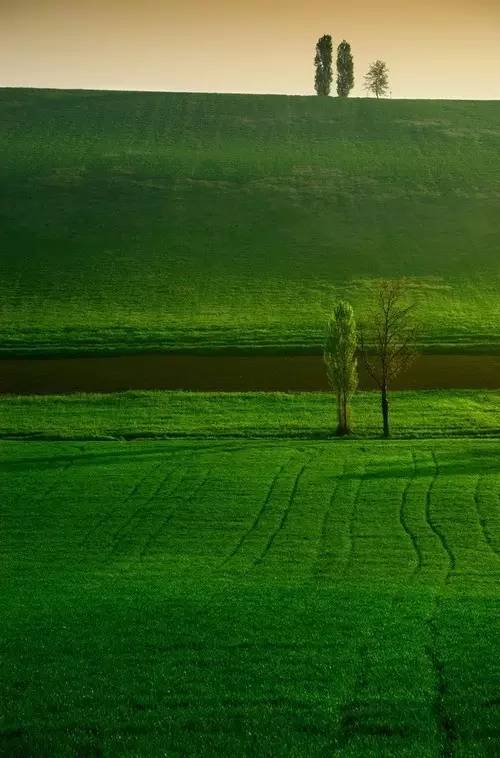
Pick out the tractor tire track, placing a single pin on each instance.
(320, 558)
(404, 524)
(143, 508)
(109, 514)
(284, 515)
(260, 513)
(55, 484)
(51, 488)
(445, 724)
(153, 537)
(482, 521)
(352, 519)
(432, 524)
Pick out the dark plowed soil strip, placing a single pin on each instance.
(294, 373)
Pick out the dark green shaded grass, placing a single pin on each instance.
(152, 221)
(464, 413)
(250, 598)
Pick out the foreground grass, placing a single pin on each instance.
(210, 414)
(250, 598)
(223, 222)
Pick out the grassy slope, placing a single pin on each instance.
(250, 598)
(205, 414)
(134, 221)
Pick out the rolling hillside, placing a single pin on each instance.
(136, 221)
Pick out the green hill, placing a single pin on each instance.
(135, 221)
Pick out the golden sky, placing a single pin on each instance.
(434, 48)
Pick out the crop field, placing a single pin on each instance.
(150, 221)
(250, 597)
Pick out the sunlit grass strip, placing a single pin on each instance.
(199, 414)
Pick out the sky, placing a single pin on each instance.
(433, 48)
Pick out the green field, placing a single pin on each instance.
(310, 415)
(246, 597)
(150, 221)
(193, 574)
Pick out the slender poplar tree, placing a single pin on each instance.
(341, 362)
(345, 69)
(323, 65)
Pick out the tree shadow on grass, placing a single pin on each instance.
(127, 454)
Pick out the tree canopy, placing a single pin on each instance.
(345, 69)
(323, 65)
(377, 79)
(341, 361)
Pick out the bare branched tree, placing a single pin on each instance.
(388, 339)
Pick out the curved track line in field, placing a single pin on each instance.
(260, 513)
(55, 484)
(444, 722)
(59, 470)
(404, 523)
(284, 515)
(143, 508)
(482, 521)
(433, 526)
(136, 488)
(153, 537)
(52, 487)
(133, 492)
(352, 519)
(346, 731)
(20, 495)
(326, 522)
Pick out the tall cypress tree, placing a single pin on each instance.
(345, 70)
(323, 64)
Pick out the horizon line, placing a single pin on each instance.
(245, 94)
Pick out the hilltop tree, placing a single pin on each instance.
(345, 69)
(341, 362)
(323, 65)
(388, 339)
(377, 79)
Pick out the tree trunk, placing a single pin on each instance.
(385, 412)
(343, 420)
(347, 420)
